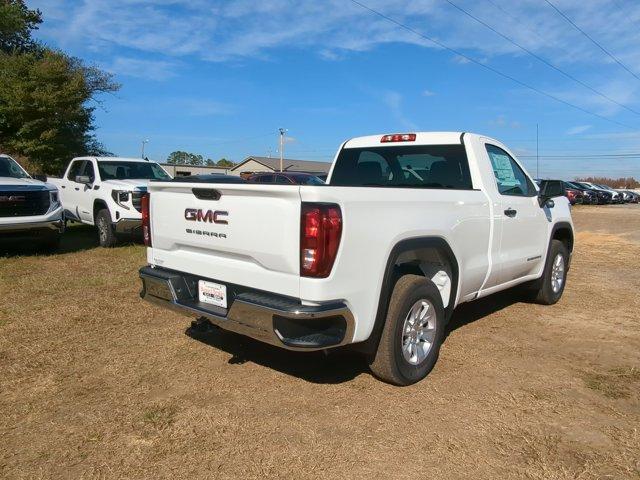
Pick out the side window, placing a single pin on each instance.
(75, 169)
(281, 179)
(510, 178)
(88, 171)
(265, 179)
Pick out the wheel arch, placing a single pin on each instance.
(563, 231)
(99, 204)
(409, 257)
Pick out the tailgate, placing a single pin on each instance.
(246, 234)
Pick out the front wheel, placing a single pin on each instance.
(106, 232)
(551, 285)
(412, 334)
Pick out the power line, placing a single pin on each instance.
(607, 52)
(539, 58)
(488, 67)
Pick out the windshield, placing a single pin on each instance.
(110, 170)
(10, 168)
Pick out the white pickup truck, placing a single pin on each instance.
(106, 192)
(29, 209)
(408, 227)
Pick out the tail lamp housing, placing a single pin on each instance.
(146, 219)
(320, 233)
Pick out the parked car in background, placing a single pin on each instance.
(633, 197)
(30, 210)
(408, 227)
(211, 178)
(615, 196)
(589, 197)
(106, 192)
(626, 196)
(559, 188)
(286, 178)
(603, 197)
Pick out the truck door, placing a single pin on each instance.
(85, 197)
(70, 189)
(524, 223)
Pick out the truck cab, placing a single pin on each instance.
(106, 192)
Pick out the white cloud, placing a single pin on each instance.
(148, 69)
(428, 93)
(502, 121)
(234, 30)
(578, 129)
(393, 101)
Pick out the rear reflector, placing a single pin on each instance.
(399, 137)
(146, 222)
(320, 232)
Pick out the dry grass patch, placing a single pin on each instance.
(95, 383)
(616, 383)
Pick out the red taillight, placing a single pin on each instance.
(146, 224)
(320, 232)
(399, 137)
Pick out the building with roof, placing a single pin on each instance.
(255, 164)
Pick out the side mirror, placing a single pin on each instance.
(83, 179)
(545, 202)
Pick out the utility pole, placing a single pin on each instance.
(144, 142)
(282, 133)
(537, 154)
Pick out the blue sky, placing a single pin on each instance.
(219, 77)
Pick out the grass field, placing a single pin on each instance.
(95, 383)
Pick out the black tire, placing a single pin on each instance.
(389, 363)
(544, 291)
(106, 233)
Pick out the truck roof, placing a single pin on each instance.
(114, 159)
(421, 138)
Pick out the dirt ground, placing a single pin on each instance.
(95, 383)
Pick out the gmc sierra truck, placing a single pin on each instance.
(408, 227)
(29, 209)
(106, 192)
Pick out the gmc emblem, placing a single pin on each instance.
(12, 198)
(210, 216)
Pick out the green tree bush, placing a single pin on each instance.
(44, 95)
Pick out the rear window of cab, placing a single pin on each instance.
(415, 166)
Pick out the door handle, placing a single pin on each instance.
(77, 189)
(510, 212)
(63, 186)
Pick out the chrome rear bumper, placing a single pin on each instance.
(270, 318)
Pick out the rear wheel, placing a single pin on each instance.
(106, 232)
(412, 334)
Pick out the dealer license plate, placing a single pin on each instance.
(212, 293)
